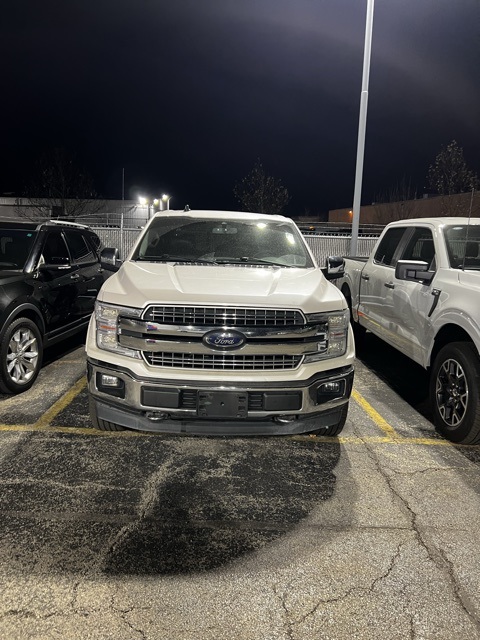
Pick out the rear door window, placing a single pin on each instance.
(80, 250)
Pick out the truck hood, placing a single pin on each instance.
(141, 284)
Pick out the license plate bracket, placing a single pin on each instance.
(222, 404)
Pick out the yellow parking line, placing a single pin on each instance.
(60, 404)
(375, 416)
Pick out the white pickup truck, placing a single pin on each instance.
(420, 291)
(220, 323)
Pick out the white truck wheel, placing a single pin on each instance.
(455, 393)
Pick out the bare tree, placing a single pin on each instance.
(260, 192)
(60, 189)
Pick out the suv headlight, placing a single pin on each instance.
(107, 316)
(336, 325)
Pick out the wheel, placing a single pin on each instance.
(103, 425)
(334, 429)
(455, 393)
(21, 354)
(358, 331)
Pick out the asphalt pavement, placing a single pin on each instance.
(127, 535)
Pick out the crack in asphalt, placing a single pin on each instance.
(433, 552)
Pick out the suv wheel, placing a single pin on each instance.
(20, 356)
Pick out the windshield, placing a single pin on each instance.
(217, 241)
(463, 246)
(15, 245)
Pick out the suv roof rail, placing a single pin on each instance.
(68, 224)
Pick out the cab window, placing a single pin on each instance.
(420, 247)
(388, 246)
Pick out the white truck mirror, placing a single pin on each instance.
(413, 271)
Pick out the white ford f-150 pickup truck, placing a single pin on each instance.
(220, 323)
(419, 290)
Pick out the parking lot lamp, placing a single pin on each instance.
(165, 202)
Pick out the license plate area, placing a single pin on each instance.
(222, 404)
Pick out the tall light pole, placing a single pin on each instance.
(362, 125)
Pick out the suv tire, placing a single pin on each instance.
(21, 355)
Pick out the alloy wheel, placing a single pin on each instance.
(452, 392)
(22, 355)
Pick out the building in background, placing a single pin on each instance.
(462, 204)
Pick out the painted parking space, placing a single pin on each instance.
(376, 414)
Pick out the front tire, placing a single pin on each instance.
(334, 429)
(102, 425)
(455, 393)
(21, 355)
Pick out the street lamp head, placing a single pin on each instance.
(166, 201)
(142, 200)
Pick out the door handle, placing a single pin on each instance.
(389, 285)
(365, 276)
(74, 276)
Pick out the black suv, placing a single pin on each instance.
(50, 275)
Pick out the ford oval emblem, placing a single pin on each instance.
(224, 339)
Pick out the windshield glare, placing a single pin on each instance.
(223, 242)
(15, 245)
(463, 246)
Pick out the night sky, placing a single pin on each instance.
(185, 95)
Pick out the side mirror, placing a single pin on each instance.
(109, 259)
(334, 267)
(413, 271)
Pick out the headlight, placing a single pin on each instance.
(336, 327)
(106, 316)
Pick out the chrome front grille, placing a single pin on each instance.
(230, 362)
(223, 316)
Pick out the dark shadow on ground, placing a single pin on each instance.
(217, 510)
(154, 504)
(405, 377)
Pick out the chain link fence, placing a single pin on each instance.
(322, 245)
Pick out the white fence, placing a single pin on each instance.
(322, 245)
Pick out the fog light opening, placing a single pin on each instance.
(285, 419)
(330, 390)
(110, 381)
(110, 385)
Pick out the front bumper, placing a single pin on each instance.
(216, 408)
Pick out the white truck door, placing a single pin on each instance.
(412, 301)
(376, 308)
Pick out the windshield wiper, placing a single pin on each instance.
(166, 257)
(248, 260)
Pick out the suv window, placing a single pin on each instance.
(420, 246)
(55, 250)
(80, 249)
(387, 247)
(15, 245)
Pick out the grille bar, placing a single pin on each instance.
(224, 316)
(222, 361)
